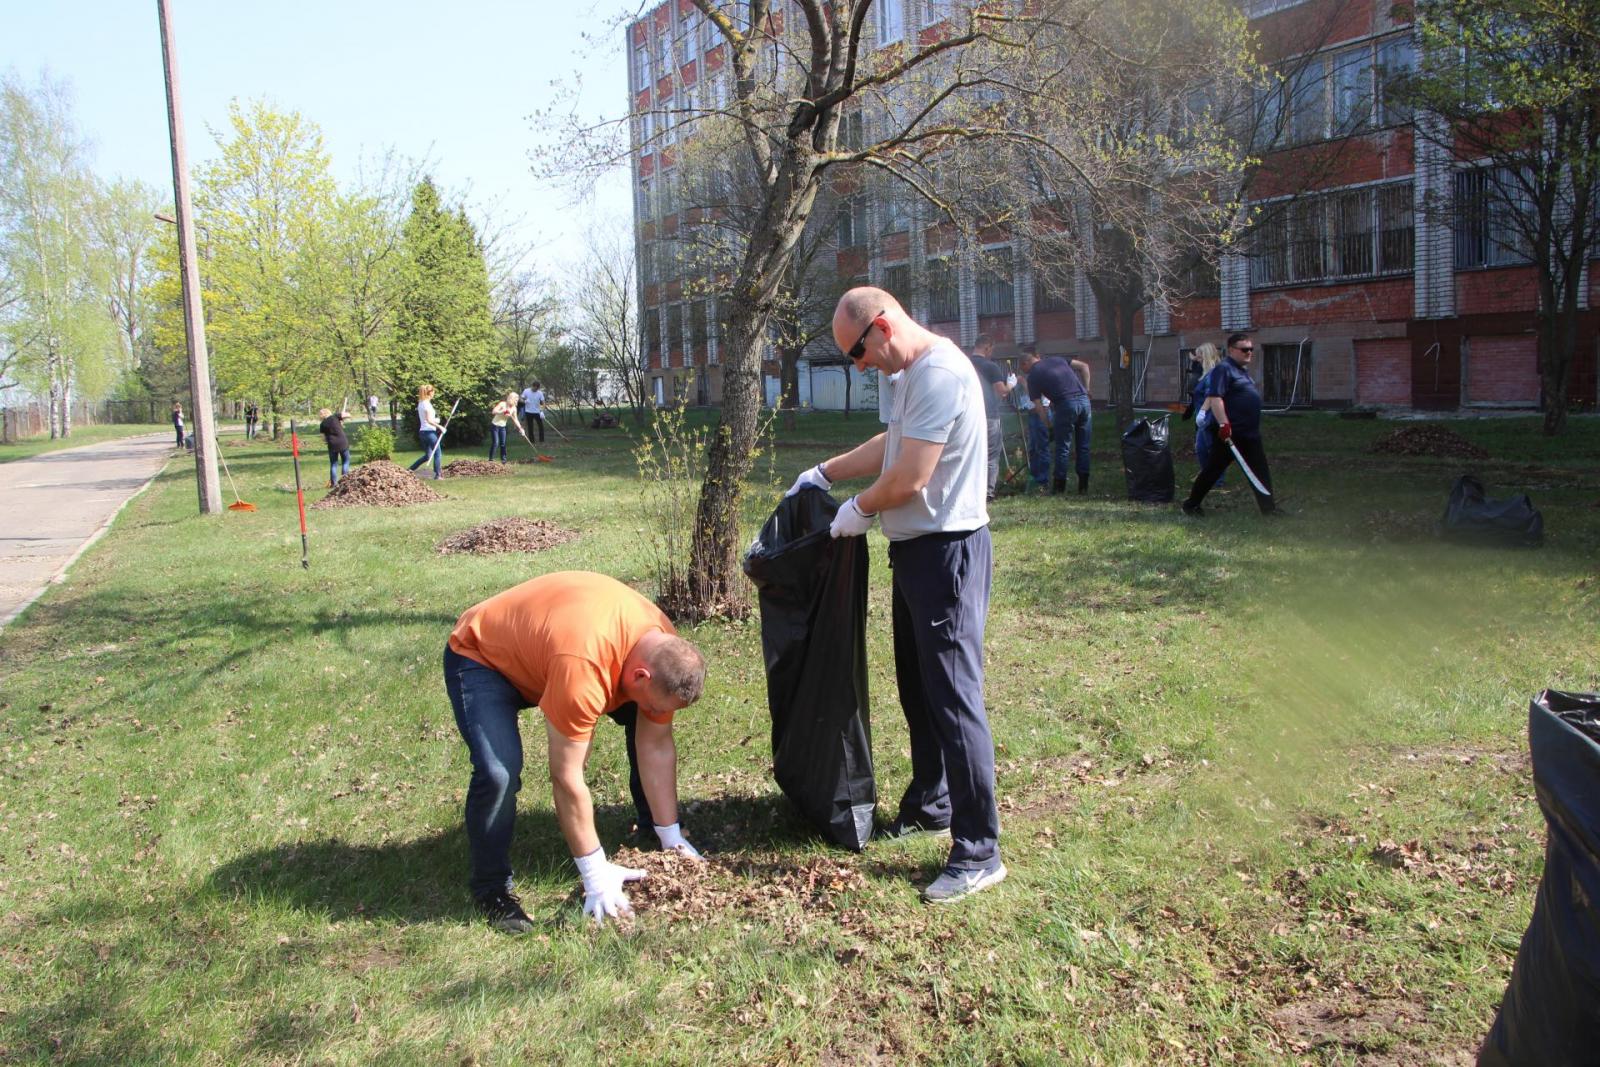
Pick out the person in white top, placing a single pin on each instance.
(430, 431)
(499, 415)
(372, 408)
(533, 404)
(932, 479)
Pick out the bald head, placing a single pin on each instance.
(858, 305)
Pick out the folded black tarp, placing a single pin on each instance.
(813, 597)
(1471, 517)
(1550, 1015)
(1147, 461)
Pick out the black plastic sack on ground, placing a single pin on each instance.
(1472, 518)
(1550, 1015)
(1147, 461)
(813, 597)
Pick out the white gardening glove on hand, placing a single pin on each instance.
(671, 838)
(812, 477)
(850, 520)
(1011, 381)
(602, 886)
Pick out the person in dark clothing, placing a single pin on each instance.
(251, 414)
(177, 422)
(332, 430)
(1066, 385)
(994, 389)
(1205, 358)
(1233, 401)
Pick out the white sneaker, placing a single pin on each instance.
(952, 885)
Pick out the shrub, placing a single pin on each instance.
(374, 442)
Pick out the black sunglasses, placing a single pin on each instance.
(859, 349)
(1245, 348)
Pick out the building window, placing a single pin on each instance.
(1352, 90)
(851, 132)
(1397, 61)
(1352, 233)
(897, 281)
(852, 221)
(896, 211)
(641, 68)
(647, 203)
(944, 291)
(652, 335)
(936, 11)
(994, 286)
(1308, 110)
(669, 121)
(1200, 278)
(674, 327)
(891, 21)
(1050, 296)
(1492, 214)
(1269, 130)
(697, 325)
(1286, 375)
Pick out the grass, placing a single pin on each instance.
(81, 435)
(1264, 786)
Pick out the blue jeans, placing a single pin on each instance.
(941, 602)
(486, 706)
(336, 457)
(1038, 447)
(1070, 427)
(429, 438)
(497, 439)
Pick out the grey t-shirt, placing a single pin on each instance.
(939, 399)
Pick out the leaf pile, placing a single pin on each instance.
(379, 484)
(473, 468)
(1427, 441)
(679, 889)
(511, 534)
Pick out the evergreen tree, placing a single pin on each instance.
(444, 328)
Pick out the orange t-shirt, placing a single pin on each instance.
(561, 639)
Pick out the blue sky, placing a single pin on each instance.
(452, 82)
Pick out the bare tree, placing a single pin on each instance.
(604, 317)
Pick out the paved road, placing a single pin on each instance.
(54, 506)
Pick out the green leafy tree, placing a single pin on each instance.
(57, 335)
(444, 328)
(1515, 84)
(262, 207)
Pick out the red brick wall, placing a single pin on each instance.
(1384, 300)
(1502, 370)
(1489, 292)
(1055, 326)
(1197, 313)
(1002, 328)
(1383, 371)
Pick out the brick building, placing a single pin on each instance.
(1359, 288)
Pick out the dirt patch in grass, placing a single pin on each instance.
(1368, 1028)
(761, 887)
(511, 534)
(1389, 525)
(1427, 441)
(473, 468)
(379, 484)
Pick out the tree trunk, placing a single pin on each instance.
(1558, 337)
(1116, 325)
(715, 583)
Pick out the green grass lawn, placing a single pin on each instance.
(81, 435)
(1265, 794)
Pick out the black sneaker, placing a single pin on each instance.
(504, 912)
(900, 829)
(1193, 510)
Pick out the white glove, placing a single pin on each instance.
(602, 886)
(1011, 381)
(812, 477)
(850, 520)
(671, 837)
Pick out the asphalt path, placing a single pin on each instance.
(54, 506)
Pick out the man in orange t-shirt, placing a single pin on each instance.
(579, 646)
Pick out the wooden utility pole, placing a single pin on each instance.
(194, 327)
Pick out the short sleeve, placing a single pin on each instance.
(932, 408)
(575, 696)
(1216, 382)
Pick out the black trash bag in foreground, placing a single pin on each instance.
(1550, 1015)
(1147, 461)
(1472, 518)
(813, 598)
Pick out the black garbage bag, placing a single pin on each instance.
(1471, 517)
(1147, 461)
(1550, 1015)
(813, 598)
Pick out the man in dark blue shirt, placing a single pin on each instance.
(1234, 404)
(1066, 386)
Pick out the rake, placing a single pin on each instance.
(238, 503)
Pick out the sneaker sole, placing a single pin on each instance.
(914, 835)
(993, 878)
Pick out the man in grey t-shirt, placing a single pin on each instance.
(930, 466)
